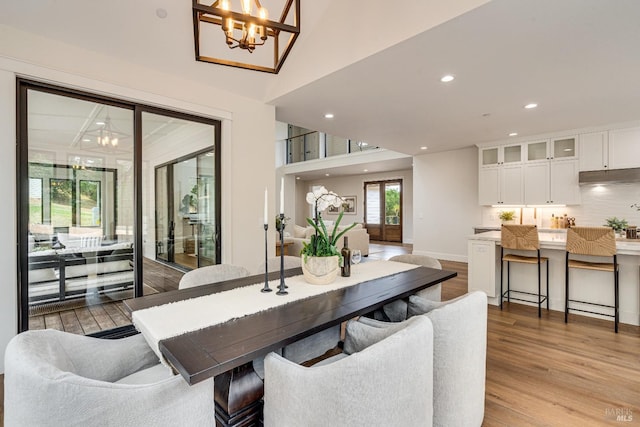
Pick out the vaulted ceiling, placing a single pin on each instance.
(377, 65)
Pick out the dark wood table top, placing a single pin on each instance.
(211, 351)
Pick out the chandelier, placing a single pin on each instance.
(104, 134)
(247, 29)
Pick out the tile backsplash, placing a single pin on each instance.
(599, 202)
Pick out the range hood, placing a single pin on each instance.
(612, 176)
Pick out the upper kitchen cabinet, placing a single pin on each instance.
(551, 183)
(594, 151)
(500, 179)
(551, 172)
(501, 155)
(624, 148)
(614, 149)
(551, 149)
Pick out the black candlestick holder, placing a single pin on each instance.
(282, 289)
(266, 287)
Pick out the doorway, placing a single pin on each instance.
(383, 210)
(185, 211)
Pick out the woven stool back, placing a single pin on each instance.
(596, 241)
(521, 237)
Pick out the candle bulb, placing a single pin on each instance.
(266, 214)
(282, 195)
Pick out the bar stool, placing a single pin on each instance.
(594, 242)
(522, 238)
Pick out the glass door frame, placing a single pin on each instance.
(171, 208)
(23, 86)
(383, 229)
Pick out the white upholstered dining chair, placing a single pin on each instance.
(211, 274)
(388, 383)
(54, 378)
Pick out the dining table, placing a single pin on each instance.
(225, 350)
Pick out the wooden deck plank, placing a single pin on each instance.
(86, 319)
(117, 315)
(101, 317)
(53, 321)
(70, 322)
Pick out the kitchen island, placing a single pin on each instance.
(593, 286)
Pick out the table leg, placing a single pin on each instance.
(238, 397)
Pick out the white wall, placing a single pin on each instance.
(445, 203)
(248, 131)
(353, 185)
(8, 255)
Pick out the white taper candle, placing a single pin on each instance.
(266, 213)
(282, 195)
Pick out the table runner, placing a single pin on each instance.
(177, 318)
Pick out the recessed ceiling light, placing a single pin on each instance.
(100, 123)
(297, 177)
(423, 148)
(86, 140)
(328, 116)
(530, 106)
(161, 13)
(513, 134)
(446, 79)
(365, 170)
(326, 174)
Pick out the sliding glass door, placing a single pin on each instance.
(98, 217)
(76, 211)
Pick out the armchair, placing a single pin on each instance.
(55, 378)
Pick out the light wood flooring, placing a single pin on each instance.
(543, 372)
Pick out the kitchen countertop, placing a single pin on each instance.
(555, 240)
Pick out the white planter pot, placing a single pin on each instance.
(320, 270)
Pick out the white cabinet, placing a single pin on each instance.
(541, 172)
(594, 151)
(552, 149)
(554, 182)
(615, 149)
(551, 172)
(501, 185)
(482, 266)
(624, 148)
(563, 182)
(500, 179)
(501, 155)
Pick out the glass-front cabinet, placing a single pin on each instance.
(506, 154)
(551, 149)
(538, 172)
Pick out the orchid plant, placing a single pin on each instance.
(322, 243)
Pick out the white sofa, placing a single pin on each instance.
(358, 238)
(58, 274)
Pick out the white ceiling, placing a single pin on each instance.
(578, 59)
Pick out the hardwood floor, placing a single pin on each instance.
(543, 372)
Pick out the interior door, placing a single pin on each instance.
(383, 210)
(206, 236)
(392, 227)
